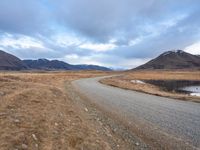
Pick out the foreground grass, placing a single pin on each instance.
(36, 113)
(124, 81)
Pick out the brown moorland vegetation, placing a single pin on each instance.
(124, 81)
(36, 112)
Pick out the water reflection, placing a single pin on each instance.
(194, 90)
(180, 86)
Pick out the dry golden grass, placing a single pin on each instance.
(164, 75)
(36, 113)
(124, 81)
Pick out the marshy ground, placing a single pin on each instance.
(126, 81)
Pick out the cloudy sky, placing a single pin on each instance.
(113, 33)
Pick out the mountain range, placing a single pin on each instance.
(176, 59)
(11, 62)
(45, 64)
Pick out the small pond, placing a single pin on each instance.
(180, 86)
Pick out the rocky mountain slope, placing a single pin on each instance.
(11, 62)
(45, 64)
(177, 59)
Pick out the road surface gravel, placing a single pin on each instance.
(180, 119)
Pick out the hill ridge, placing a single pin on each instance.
(11, 62)
(174, 59)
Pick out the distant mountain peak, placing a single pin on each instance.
(178, 51)
(45, 64)
(173, 52)
(11, 62)
(174, 59)
(43, 59)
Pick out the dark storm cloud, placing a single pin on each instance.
(103, 20)
(184, 33)
(23, 16)
(137, 29)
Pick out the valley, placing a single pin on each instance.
(49, 105)
(99, 75)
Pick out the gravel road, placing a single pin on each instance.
(177, 118)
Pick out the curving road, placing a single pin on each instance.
(177, 118)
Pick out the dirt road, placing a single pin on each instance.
(161, 122)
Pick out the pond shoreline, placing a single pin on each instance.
(180, 86)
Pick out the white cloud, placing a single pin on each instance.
(65, 39)
(75, 59)
(135, 41)
(131, 63)
(25, 47)
(194, 48)
(19, 42)
(173, 20)
(98, 47)
(99, 59)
